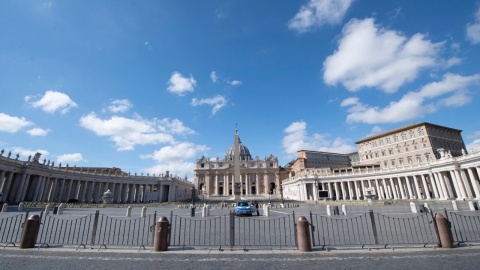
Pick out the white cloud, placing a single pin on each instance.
(297, 138)
(235, 83)
(38, 131)
(217, 102)
(25, 153)
(175, 158)
(120, 105)
(369, 56)
(127, 132)
(12, 124)
(180, 85)
(213, 76)
(317, 13)
(452, 90)
(473, 29)
(53, 101)
(70, 158)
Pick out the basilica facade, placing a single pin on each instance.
(216, 178)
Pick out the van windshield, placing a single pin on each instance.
(242, 204)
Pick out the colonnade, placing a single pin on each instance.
(456, 178)
(251, 183)
(25, 181)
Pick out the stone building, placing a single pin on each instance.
(216, 178)
(418, 161)
(410, 144)
(317, 162)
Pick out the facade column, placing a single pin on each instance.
(401, 187)
(138, 193)
(425, 187)
(207, 184)
(216, 185)
(393, 188)
(20, 188)
(443, 187)
(7, 186)
(60, 193)
(474, 181)
(315, 191)
(350, 191)
(378, 191)
(409, 187)
(338, 190)
(2, 177)
(53, 190)
(417, 187)
(433, 185)
(330, 190)
(38, 187)
(344, 192)
(387, 194)
(362, 184)
(466, 184)
(226, 184)
(459, 191)
(356, 191)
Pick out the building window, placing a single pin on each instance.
(202, 165)
(404, 136)
(385, 163)
(374, 144)
(393, 162)
(406, 149)
(420, 132)
(390, 151)
(395, 138)
(412, 134)
(388, 140)
(401, 161)
(409, 159)
(376, 154)
(380, 142)
(383, 153)
(419, 159)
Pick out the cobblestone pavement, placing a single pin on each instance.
(59, 258)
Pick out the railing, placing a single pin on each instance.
(373, 229)
(231, 231)
(11, 225)
(97, 229)
(465, 226)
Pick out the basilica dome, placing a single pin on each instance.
(244, 152)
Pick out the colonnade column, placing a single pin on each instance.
(425, 187)
(475, 185)
(466, 184)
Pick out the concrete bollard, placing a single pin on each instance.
(60, 209)
(413, 207)
(266, 210)
(472, 206)
(5, 207)
(144, 212)
(30, 232)
(161, 235)
(129, 212)
(446, 237)
(344, 209)
(455, 207)
(303, 235)
(427, 207)
(47, 209)
(329, 210)
(204, 211)
(20, 207)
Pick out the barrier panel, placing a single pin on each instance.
(231, 231)
(11, 225)
(97, 229)
(373, 229)
(465, 227)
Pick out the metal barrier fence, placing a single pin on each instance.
(97, 229)
(11, 226)
(465, 227)
(230, 231)
(373, 229)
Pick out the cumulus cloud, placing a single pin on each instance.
(213, 76)
(473, 29)
(38, 131)
(370, 56)
(52, 101)
(12, 124)
(317, 13)
(25, 153)
(120, 105)
(175, 158)
(451, 91)
(181, 85)
(217, 102)
(297, 138)
(128, 132)
(70, 158)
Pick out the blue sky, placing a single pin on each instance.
(149, 86)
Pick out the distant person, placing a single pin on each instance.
(256, 206)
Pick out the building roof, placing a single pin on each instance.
(407, 127)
